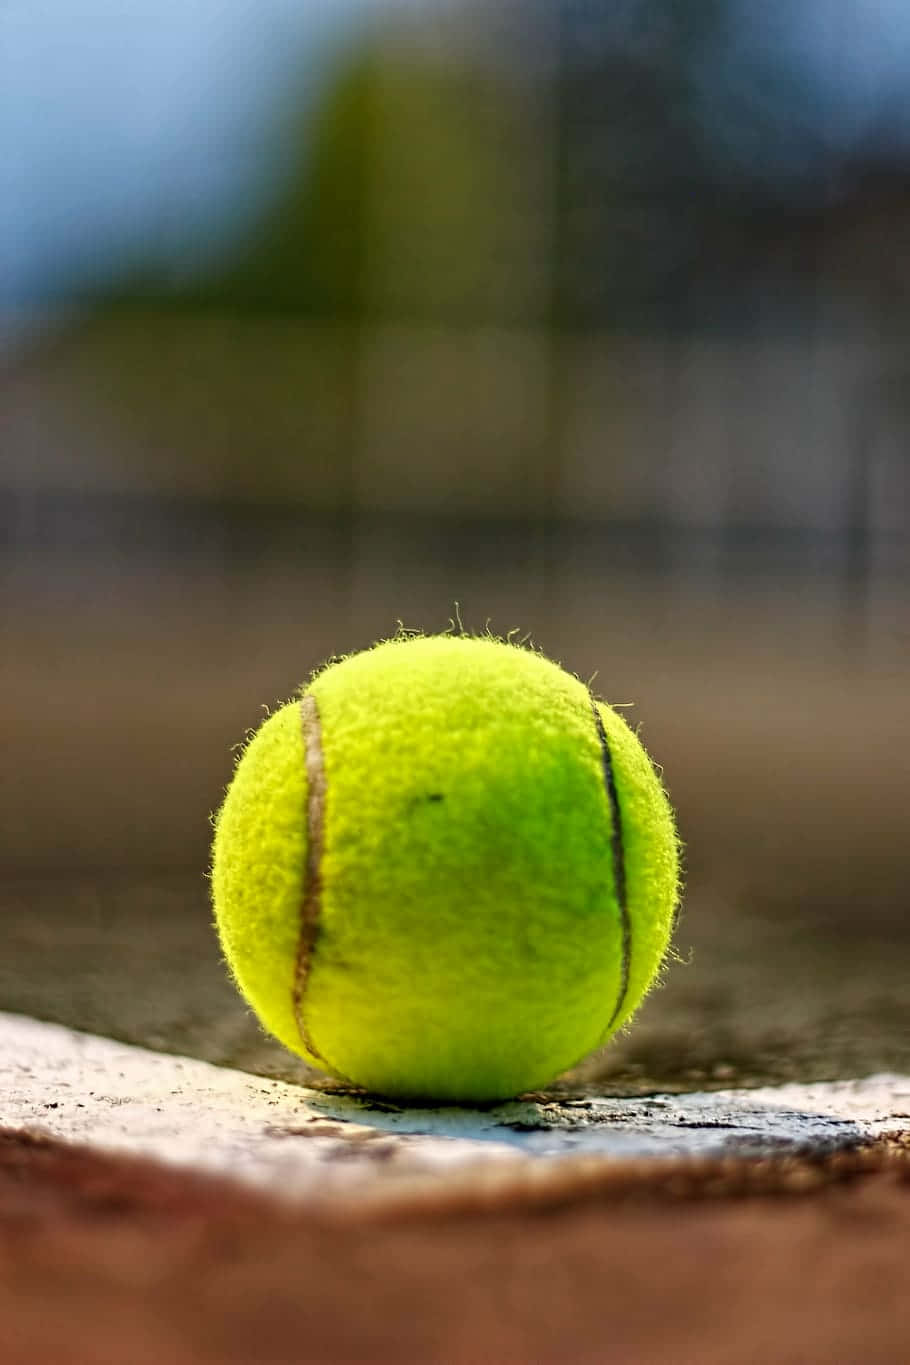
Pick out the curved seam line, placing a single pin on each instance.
(311, 901)
(617, 851)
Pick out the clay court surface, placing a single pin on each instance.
(115, 1260)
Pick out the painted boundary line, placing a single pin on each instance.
(306, 1144)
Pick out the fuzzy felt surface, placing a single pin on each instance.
(471, 941)
(258, 868)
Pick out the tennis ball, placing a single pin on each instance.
(445, 870)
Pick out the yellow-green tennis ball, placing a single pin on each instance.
(445, 871)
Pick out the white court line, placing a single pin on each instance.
(304, 1143)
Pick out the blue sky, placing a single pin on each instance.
(121, 123)
(857, 53)
(124, 124)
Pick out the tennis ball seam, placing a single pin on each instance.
(618, 859)
(311, 899)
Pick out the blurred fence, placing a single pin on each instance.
(797, 444)
(621, 267)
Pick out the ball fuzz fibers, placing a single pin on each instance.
(445, 870)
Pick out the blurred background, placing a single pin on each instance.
(592, 318)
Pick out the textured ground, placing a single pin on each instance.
(105, 1262)
(288, 1224)
(336, 1145)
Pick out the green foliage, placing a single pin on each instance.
(402, 198)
